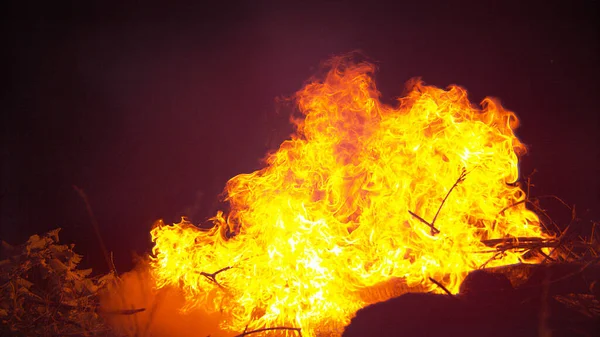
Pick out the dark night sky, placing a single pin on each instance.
(151, 110)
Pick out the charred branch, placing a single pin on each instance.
(246, 333)
(431, 225)
(433, 229)
(461, 178)
(520, 243)
(441, 286)
(535, 204)
(124, 312)
(537, 244)
(213, 276)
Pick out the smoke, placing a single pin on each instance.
(161, 315)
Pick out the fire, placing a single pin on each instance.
(361, 195)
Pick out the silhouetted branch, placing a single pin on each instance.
(460, 179)
(431, 225)
(298, 330)
(433, 229)
(529, 243)
(124, 312)
(213, 276)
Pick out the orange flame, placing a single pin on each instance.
(352, 201)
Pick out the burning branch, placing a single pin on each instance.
(562, 247)
(520, 243)
(441, 286)
(534, 202)
(460, 179)
(434, 230)
(213, 276)
(246, 333)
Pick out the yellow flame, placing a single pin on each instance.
(348, 204)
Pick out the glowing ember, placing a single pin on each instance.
(349, 203)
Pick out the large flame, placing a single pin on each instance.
(352, 201)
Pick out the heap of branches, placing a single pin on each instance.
(567, 246)
(576, 245)
(43, 293)
(568, 243)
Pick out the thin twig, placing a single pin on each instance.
(298, 330)
(96, 228)
(529, 181)
(441, 286)
(579, 271)
(123, 312)
(460, 179)
(213, 276)
(433, 229)
(560, 239)
(546, 256)
(534, 203)
(524, 239)
(501, 253)
(112, 263)
(431, 225)
(564, 277)
(551, 196)
(513, 205)
(537, 208)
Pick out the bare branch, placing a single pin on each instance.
(513, 205)
(529, 243)
(433, 229)
(500, 253)
(441, 286)
(431, 225)
(460, 179)
(245, 333)
(213, 276)
(124, 312)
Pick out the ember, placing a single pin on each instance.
(362, 195)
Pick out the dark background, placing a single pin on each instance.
(151, 109)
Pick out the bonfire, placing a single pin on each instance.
(366, 201)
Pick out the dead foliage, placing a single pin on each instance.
(44, 293)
